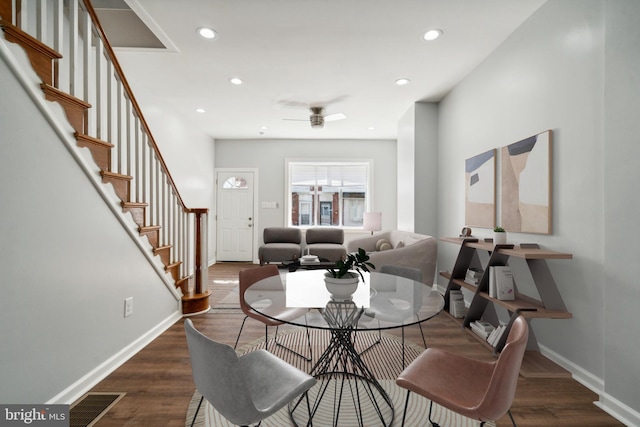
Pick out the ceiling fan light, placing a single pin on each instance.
(317, 121)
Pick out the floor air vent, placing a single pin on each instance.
(88, 410)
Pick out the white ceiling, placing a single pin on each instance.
(342, 54)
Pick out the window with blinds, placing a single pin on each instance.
(327, 193)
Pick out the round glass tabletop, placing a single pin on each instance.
(382, 301)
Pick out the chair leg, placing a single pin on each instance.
(308, 359)
(433, 423)
(406, 405)
(403, 347)
(239, 332)
(422, 333)
(197, 410)
(512, 420)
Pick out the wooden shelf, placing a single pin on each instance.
(534, 364)
(550, 305)
(521, 251)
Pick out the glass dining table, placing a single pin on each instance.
(346, 388)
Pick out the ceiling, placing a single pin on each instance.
(344, 55)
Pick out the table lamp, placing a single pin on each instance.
(372, 221)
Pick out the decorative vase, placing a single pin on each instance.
(499, 238)
(342, 289)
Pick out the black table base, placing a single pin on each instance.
(347, 392)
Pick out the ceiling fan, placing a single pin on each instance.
(317, 117)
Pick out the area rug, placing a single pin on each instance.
(384, 360)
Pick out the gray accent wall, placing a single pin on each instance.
(573, 67)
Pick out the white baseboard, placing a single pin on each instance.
(607, 403)
(88, 381)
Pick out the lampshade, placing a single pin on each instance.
(372, 221)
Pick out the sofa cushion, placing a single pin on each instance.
(325, 235)
(282, 235)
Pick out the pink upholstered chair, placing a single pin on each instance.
(277, 309)
(480, 390)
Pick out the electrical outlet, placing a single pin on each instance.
(128, 307)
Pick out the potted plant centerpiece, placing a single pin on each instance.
(499, 236)
(342, 279)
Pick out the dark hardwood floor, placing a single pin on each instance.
(159, 386)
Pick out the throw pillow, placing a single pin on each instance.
(380, 242)
(385, 246)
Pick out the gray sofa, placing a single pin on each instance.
(401, 248)
(326, 243)
(280, 244)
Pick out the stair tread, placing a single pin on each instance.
(132, 205)
(33, 42)
(148, 228)
(57, 93)
(87, 138)
(116, 175)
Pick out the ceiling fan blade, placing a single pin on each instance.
(334, 117)
(297, 120)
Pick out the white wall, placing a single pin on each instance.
(621, 153)
(67, 266)
(268, 156)
(406, 170)
(550, 74)
(418, 169)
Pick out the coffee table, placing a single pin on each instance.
(321, 264)
(381, 302)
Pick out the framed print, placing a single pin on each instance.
(480, 190)
(525, 199)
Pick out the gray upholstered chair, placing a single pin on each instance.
(246, 389)
(280, 244)
(476, 389)
(326, 243)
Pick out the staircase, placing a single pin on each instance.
(70, 53)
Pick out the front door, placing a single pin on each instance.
(235, 216)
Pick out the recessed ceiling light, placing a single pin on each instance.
(371, 128)
(402, 82)
(235, 81)
(432, 35)
(264, 128)
(207, 33)
(200, 110)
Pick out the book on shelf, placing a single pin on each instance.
(501, 283)
(496, 334)
(482, 328)
(457, 308)
(473, 276)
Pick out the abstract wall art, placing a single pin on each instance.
(480, 190)
(525, 198)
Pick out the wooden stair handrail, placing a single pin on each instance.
(134, 102)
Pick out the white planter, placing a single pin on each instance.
(342, 289)
(499, 238)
